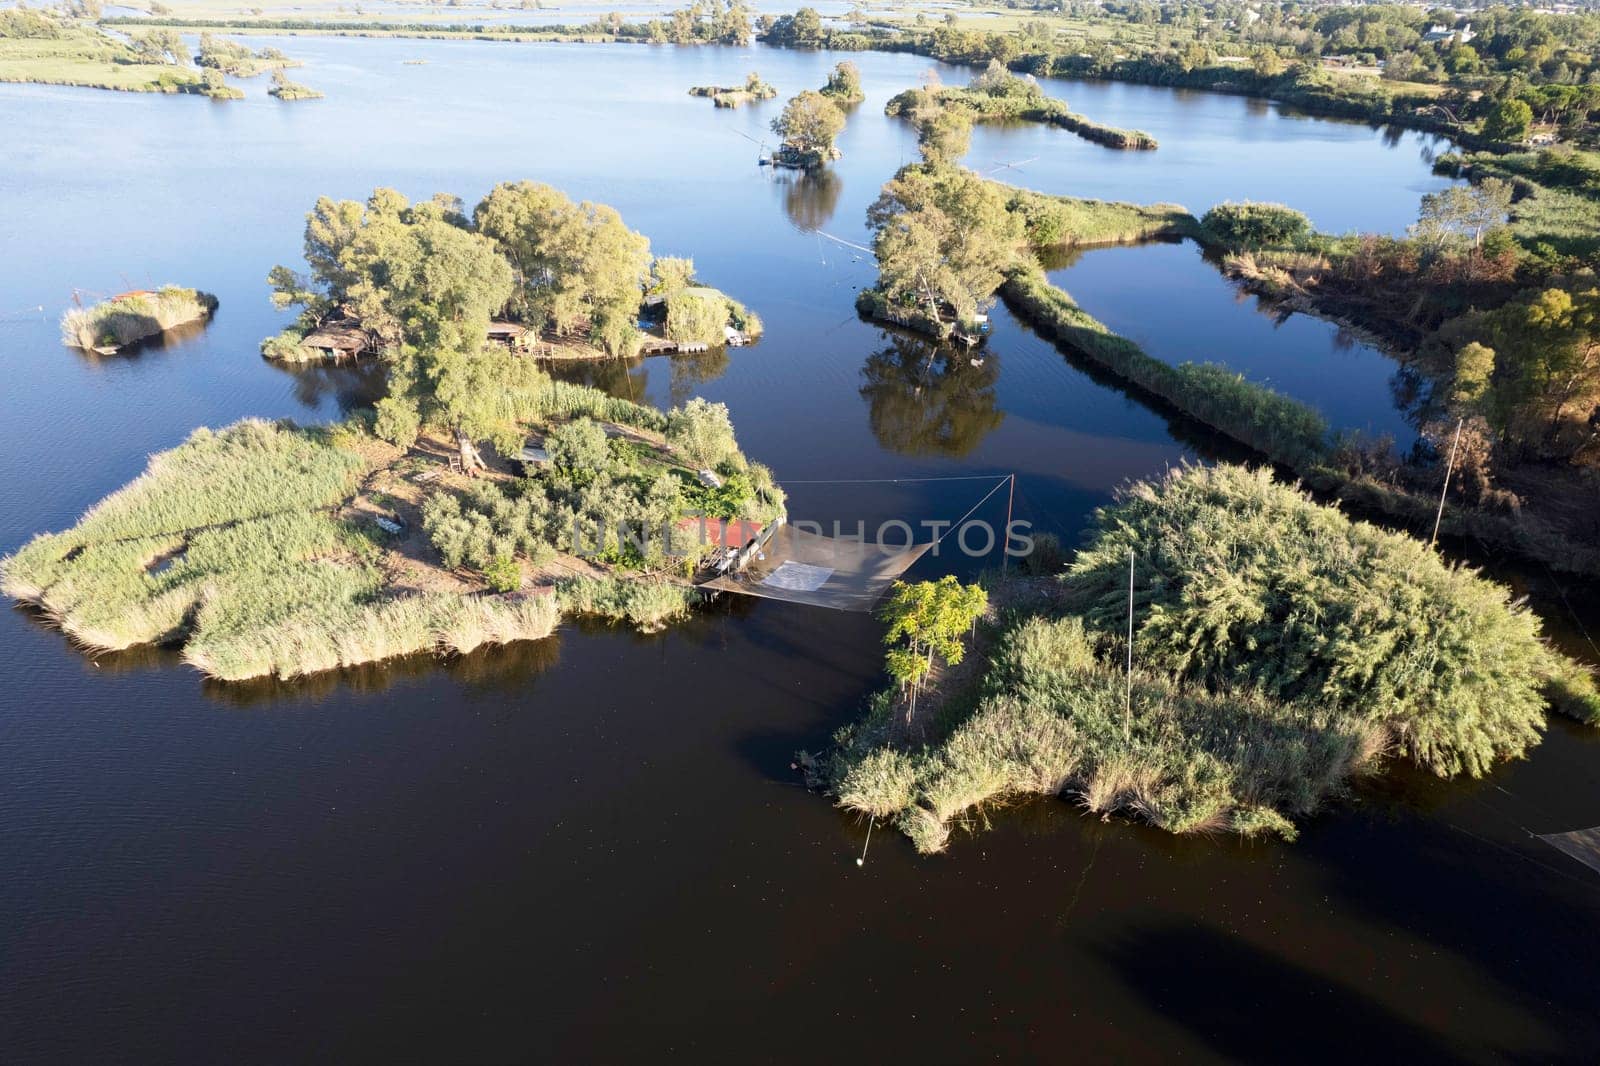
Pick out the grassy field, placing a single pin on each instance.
(86, 58)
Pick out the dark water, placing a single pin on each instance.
(593, 848)
(1205, 318)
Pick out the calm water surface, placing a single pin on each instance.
(594, 848)
(1204, 318)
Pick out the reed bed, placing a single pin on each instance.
(1280, 649)
(646, 605)
(132, 317)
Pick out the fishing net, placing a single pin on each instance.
(803, 567)
(1580, 844)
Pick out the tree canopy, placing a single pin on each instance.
(577, 265)
(810, 122)
(944, 237)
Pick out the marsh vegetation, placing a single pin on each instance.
(1279, 650)
(131, 317)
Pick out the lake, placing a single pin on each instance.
(595, 847)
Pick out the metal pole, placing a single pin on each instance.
(1449, 467)
(1127, 718)
(1005, 535)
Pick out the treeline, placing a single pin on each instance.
(1514, 69)
(703, 22)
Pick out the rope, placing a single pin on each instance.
(1005, 478)
(863, 860)
(889, 480)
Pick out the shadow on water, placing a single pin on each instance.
(501, 668)
(1241, 1000)
(350, 386)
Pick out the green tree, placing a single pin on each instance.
(1547, 366)
(944, 236)
(926, 620)
(1508, 121)
(576, 265)
(671, 273)
(809, 123)
(1474, 373)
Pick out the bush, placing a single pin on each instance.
(503, 574)
(703, 432)
(1249, 585)
(1255, 225)
(580, 445)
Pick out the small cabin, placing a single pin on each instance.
(511, 335)
(339, 338)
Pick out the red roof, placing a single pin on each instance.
(735, 533)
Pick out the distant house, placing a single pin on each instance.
(1437, 33)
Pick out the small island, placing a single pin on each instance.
(284, 89)
(130, 317)
(1276, 657)
(997, 95)
(809, 125)
(843, 86)
(752, 90)
(478, 502)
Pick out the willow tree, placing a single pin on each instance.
(578, 266)
(810, 122)
(427, 286)
(944, 236)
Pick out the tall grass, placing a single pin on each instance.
(1273, 424)
(646, 605)
(1072, 222)
(1053, 720)
(225, 526)
(119, 322)
(362, 632)
(1280, 647)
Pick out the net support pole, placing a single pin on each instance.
(1127, 712)
(1005, 534)
(1449, 468)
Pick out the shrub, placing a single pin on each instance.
(503, 574)
(1255, 225)
(703, 432)
(579, 445)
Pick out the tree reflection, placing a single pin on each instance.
(690, 370)
(626, 379)
(928, 400)
(348, 385)
(810, 198)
